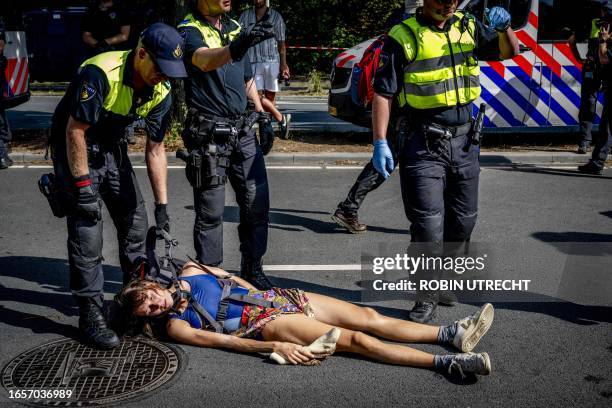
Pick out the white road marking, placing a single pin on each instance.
(344, 167)
(35, 166)
(17, 166)
(341, 267)
(294, 167)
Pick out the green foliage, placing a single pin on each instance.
(314, 81)
(333, 23)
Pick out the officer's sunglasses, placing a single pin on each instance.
(444, 2)
(155, 64)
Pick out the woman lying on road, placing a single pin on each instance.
(301, 317)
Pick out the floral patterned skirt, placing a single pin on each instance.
(254, 318)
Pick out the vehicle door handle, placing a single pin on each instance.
(523, 48)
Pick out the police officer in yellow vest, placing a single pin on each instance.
(430, 64)
(91, 164)
(222, 145)
(591, 75)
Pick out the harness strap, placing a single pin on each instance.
(204, 314)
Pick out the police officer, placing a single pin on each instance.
(591, 77)
(91, 163)
(105, 27)
(603, 142)
(429, 64)
(5, 131)
(221, 144)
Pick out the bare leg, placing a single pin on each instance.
(349, 316)
(299, 329)
(269, 107)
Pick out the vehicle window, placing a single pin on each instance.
(559, 18)
(556, 19)
(519, 10)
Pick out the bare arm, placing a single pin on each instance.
(282, 52)
(122, 37)
(381, 112)
(253, 95)
(2, 43)
(182, 332)
(76, 147)
(574, 48)
(508, 44)
(89, 39)
(208, 59)
(157, 168)
(604, 37)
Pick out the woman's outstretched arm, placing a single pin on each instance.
(182, 332)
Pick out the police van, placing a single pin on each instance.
(16, 89)
(540, 88)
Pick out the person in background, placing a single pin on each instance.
(268, 59)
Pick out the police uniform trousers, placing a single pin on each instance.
(368, 180)
(5, 130)
(588, 102)
(246, 173)
(603, 138)
(439, 183)
(113, 178)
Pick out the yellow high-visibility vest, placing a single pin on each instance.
(442, 70)
(120, 96)
(212, 36)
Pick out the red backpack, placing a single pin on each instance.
(362, 81)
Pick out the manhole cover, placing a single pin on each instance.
(67, 373)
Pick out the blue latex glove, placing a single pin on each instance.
(499, 18)
(382, 159)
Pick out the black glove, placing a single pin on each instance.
(103, 46)
(3, 64)
(266, 132)
(88, 203)
(161, 219)
(248, 38)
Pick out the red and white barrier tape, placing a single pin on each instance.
(321, 48)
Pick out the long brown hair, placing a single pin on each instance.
(130, 298)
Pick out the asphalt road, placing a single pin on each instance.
(308, 114)
(545, 353)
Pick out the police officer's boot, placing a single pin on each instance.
(92, 326)
(252, 271)
(5, 160)
(424, 308)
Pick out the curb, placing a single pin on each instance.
(486, 158)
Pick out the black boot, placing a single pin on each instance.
(92, 326)
(590, 168)
(5, 160)
(424, 308)
(252, 272)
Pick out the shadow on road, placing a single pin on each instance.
(279, 219)
(53, 276)
(549, 171)
(36, 323)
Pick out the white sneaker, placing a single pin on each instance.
(471, 363)
(471, 329)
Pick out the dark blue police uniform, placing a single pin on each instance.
(111, 174)
(439, 178)
(219, 96)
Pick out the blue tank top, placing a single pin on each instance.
(207, 292)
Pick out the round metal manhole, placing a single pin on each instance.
(67, 373)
